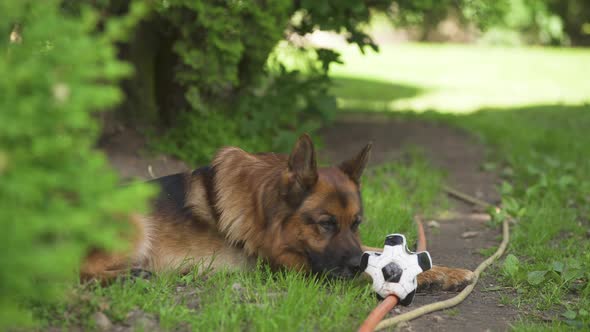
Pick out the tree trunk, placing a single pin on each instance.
(152, 96)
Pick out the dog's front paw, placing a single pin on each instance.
(441, 278)
(135, 274)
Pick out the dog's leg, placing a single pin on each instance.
(104, 267)
(441, 278)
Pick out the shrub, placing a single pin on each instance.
(534, 22)
(547, 22)
(222, 57)
(57, 197)
(269, 119)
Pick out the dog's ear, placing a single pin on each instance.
(302, 172)
(302, 163)
(354, 167)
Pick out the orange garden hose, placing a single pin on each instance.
(421, 245)
(378, 313)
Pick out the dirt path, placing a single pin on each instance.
(449, 149)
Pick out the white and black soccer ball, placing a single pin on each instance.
(394, 271)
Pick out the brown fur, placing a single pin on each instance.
(245, 206)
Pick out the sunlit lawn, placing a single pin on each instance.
(460, 78)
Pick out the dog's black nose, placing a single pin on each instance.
(353, 263)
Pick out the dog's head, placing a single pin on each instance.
(327, 210)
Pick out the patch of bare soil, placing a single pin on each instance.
(126, 150)
(455, 241)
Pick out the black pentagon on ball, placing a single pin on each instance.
(392, 272)
(394, 240)
(424, 261)
(364, 261)
(408, 300)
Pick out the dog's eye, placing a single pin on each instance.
(329, 224)
(356, 223)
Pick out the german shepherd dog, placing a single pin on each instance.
(281, 208)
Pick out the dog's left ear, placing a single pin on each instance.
(301, 174)
(302, 163)
(354, 167)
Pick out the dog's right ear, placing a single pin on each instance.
(302, 172)
(354, 167)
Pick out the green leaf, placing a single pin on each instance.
(489, 166)
(532, 169)
(566, 180)
(506, 188)
(536, 277)
(571, 274)
(569, 314)
(511, 205)
(552, 162)
(574, 264)
(507, 172)
(531, 191)
(511, 265)
(543, 181)
(558, 266)
(498, 217)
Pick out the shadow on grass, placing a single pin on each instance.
(370, 95)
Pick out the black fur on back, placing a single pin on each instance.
(172, 197)
(174, 188)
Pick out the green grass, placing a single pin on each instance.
(393, 194)
(530, 106)
(262, 300)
